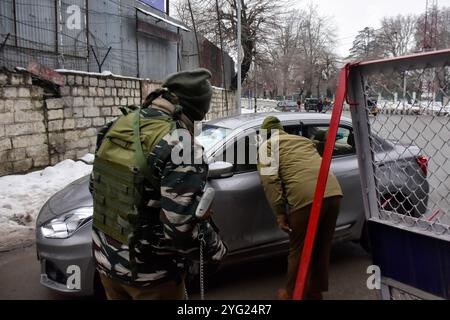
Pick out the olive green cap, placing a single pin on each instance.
(271, 123)
(194, 91)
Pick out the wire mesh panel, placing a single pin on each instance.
(403, 114)
(31, 15)
(394, 290)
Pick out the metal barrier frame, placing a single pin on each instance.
(388, 284)
(351, 87)
(361, 127)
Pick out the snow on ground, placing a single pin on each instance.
(22, 196)
(418, 107)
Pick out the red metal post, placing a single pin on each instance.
(320, 187)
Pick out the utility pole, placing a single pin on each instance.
(256, 88)
(367, 44)
(224, 75)
(239, 45)
(425, 44)
(195, 34)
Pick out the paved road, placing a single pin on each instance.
(19, 277)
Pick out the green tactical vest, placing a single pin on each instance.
(120, 169)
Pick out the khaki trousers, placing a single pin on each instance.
(116, 290)
(317, 281)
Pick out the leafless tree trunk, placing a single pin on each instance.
(258, 19)
(396, 36)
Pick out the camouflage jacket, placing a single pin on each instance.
(165, 248)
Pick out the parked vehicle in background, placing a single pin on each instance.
(311, 104)
(372, 104)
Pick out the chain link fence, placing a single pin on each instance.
(407, 112)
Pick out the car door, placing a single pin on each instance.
(241, 210)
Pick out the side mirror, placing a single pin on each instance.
(220, 169)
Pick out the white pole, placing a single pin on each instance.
(239, 76)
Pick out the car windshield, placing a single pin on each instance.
(211, 135)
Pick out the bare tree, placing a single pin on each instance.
(396, 36)
(316, 43)
(258, 19)
(285, 49)
(301, 54)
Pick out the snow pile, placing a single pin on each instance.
(264, 105)
(418, 107)
(22, 196)
(260, 110)
(96, 74)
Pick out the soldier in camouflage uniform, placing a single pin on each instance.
(168, 239)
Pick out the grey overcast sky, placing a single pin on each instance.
(350, 16)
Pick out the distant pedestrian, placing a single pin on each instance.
(320, 106)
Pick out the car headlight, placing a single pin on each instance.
(66, 224)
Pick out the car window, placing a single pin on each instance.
(245, 161)
(344, 145)
(294, 129)
(212, 135)
(242, 153)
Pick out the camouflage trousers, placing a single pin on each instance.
(170, 290)
(317, 281)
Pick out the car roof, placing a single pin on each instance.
(249, 120)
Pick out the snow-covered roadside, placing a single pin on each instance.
(22, 196)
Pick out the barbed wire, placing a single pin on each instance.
(38, 34)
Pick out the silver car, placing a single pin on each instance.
(245, 220)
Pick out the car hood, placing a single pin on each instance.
(73, 196)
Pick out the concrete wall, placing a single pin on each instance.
(40, 128)
(22, 124)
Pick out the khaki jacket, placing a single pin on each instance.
(294, 183)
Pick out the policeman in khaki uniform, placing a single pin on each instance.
(290, 192)
(145, 230)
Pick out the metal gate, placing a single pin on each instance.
(401, 117)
